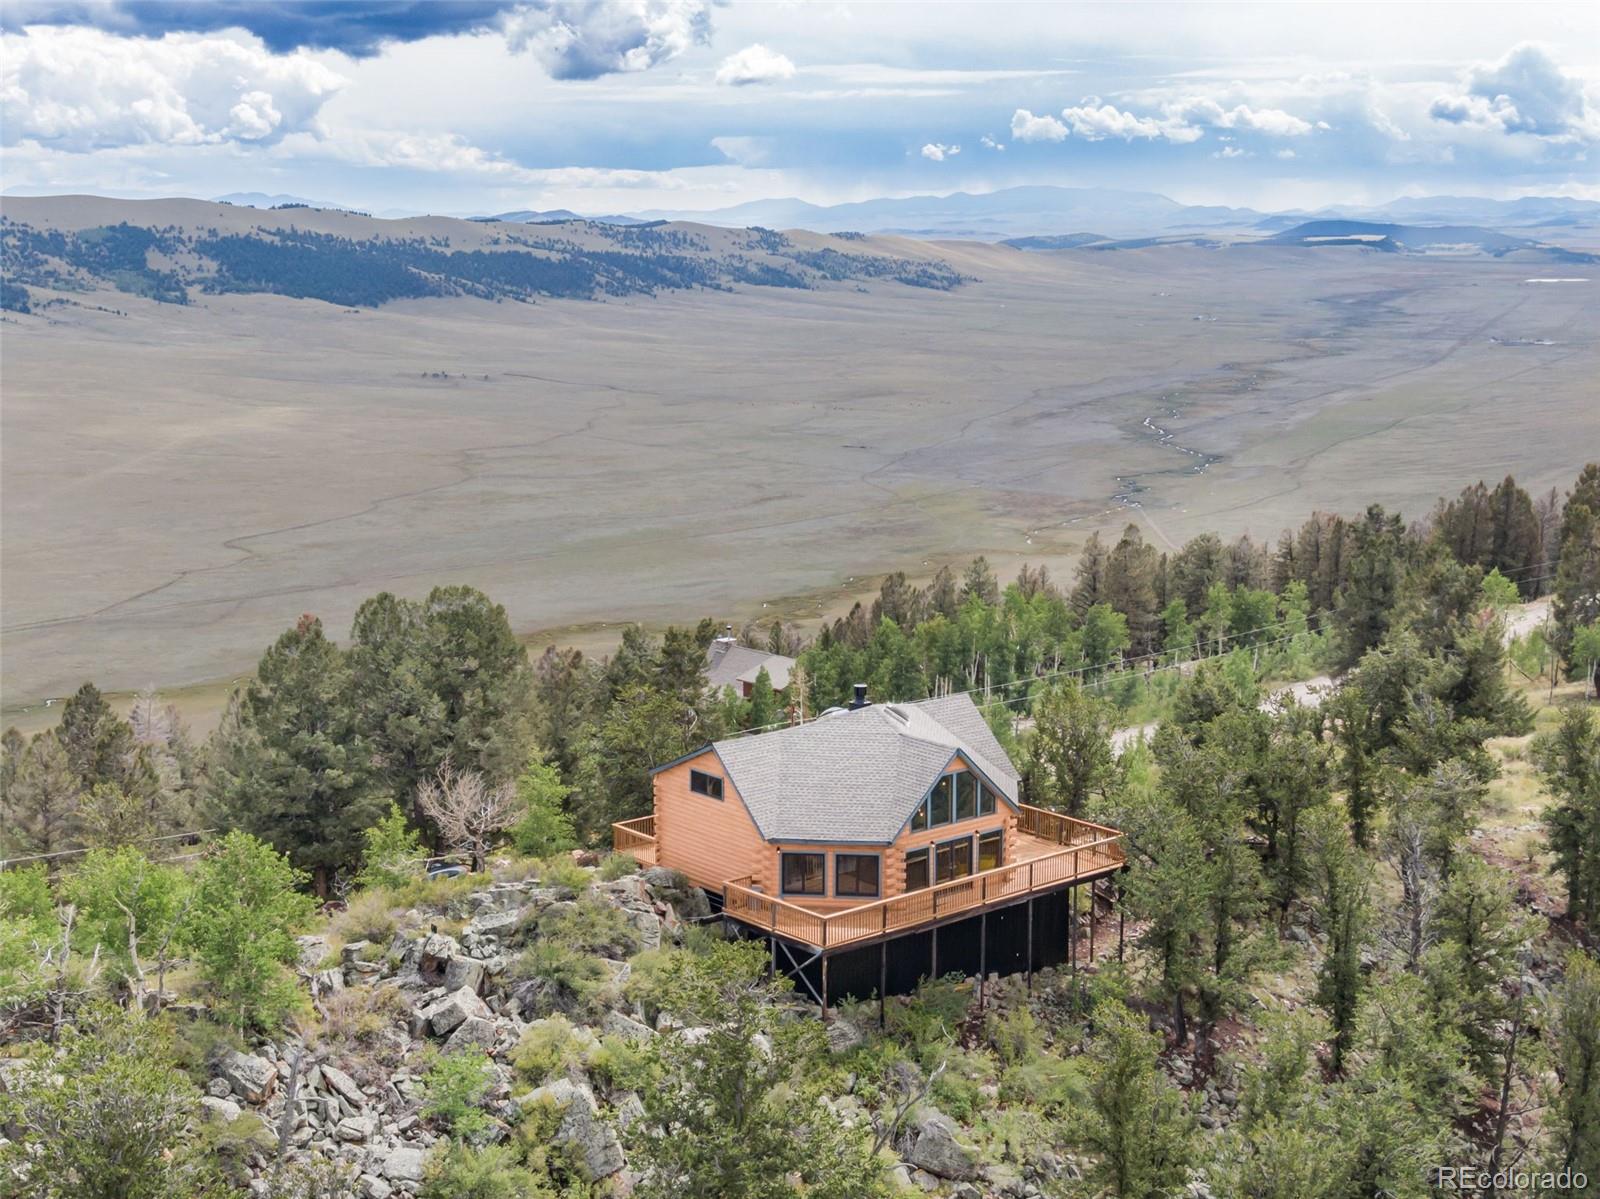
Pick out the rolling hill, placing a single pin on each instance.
(173, 250)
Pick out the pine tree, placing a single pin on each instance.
(1343, 881)
(1568, 760)
(1576, 1124)
(1070, 749)
(290, 764)
(1368, 600)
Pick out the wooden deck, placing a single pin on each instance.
(637, 838)
(1048, 851)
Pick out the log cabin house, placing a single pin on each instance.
(878, 845)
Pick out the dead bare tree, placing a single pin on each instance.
(1406, 850)
(469, 810)
(912, 1092)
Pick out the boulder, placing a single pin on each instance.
(626, 1027)
(464, 972)
(593, 1142)
(492, 924)
(356, 1128)
(445, 1015)
(310, 951)
(252, 1078)
(472, 1032)
(373, 1187)
(936, 1150)
(225, 1110)
(342, 1085)
(402, 1164)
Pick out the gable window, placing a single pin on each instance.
(955, 797)
(966, 795)
(916, 869)
(941, 805)
(989, 850)
(855, 874)
(803, 873)
(952, 859)
(702, 783)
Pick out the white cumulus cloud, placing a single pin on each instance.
(78, 89)
(754, 64)
(938, 151)
(989, 143)
(1025, 127)
(584, 39)
(1525, 92)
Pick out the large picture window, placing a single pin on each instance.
(952, 860)
(941, 805)
(917, 869)
(702, 783)
(804, 873)
(855, 874)
(966, 795)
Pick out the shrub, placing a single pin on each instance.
(453, 1088)
(457, 1171)
(618, 865)
(27, 926)
(621, 1064)
(370, 916)
(353, 1027)
(551, 1047)
(563, 872)
(105, 1118)
(391, 854)
(569, 980)
(593, 925)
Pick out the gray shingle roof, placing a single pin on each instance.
(857, 776)
(728, 663)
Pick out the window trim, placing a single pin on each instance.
(925, 852)
(783, 874)
(696, 775)
(877, 890)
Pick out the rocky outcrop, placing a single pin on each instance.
(592, 1142)
(250, 1077)
(936, 1149)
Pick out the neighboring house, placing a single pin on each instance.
(867, 825)
(729, 664)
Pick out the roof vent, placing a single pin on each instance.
(898, 713)
(861, 700)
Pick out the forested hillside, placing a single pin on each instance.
(364, 264)
(1360, 932)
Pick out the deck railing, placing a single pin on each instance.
(1089, 850)
(630, 835)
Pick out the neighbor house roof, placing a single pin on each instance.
(857, 775)
(729, 663)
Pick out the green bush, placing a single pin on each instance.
(457, 1171)
(391, 854)
(618, 865)
(453, 1088)
(551, 1047)
(562, 871)
(621, 1064)
(593, 925)
(571, 979)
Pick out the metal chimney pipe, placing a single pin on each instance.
(861, 700)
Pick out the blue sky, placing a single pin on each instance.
(625, 105)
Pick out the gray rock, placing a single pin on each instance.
(217, 1088)
(373, 1187)
(464, 972)
(594, 1142)
(493, 924)
(473, 1031)
(936, 1149)
(443, 1017)
(356, 1128)
(309, 952)
(619, 1025)
(252, 1078)
(225, 1110)
(402, 1164)
(342, 1085)
(355, 951)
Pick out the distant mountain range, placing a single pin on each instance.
(1016, 212)
(529, 216)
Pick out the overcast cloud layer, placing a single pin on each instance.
(608, 105)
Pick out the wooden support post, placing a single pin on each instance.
(933, 970)
(1092, 907)
(983, 955)
(1072, 929)
(1030, 945)
(824, 991)
(883, 984)
(772, 966)
(1121, 921)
